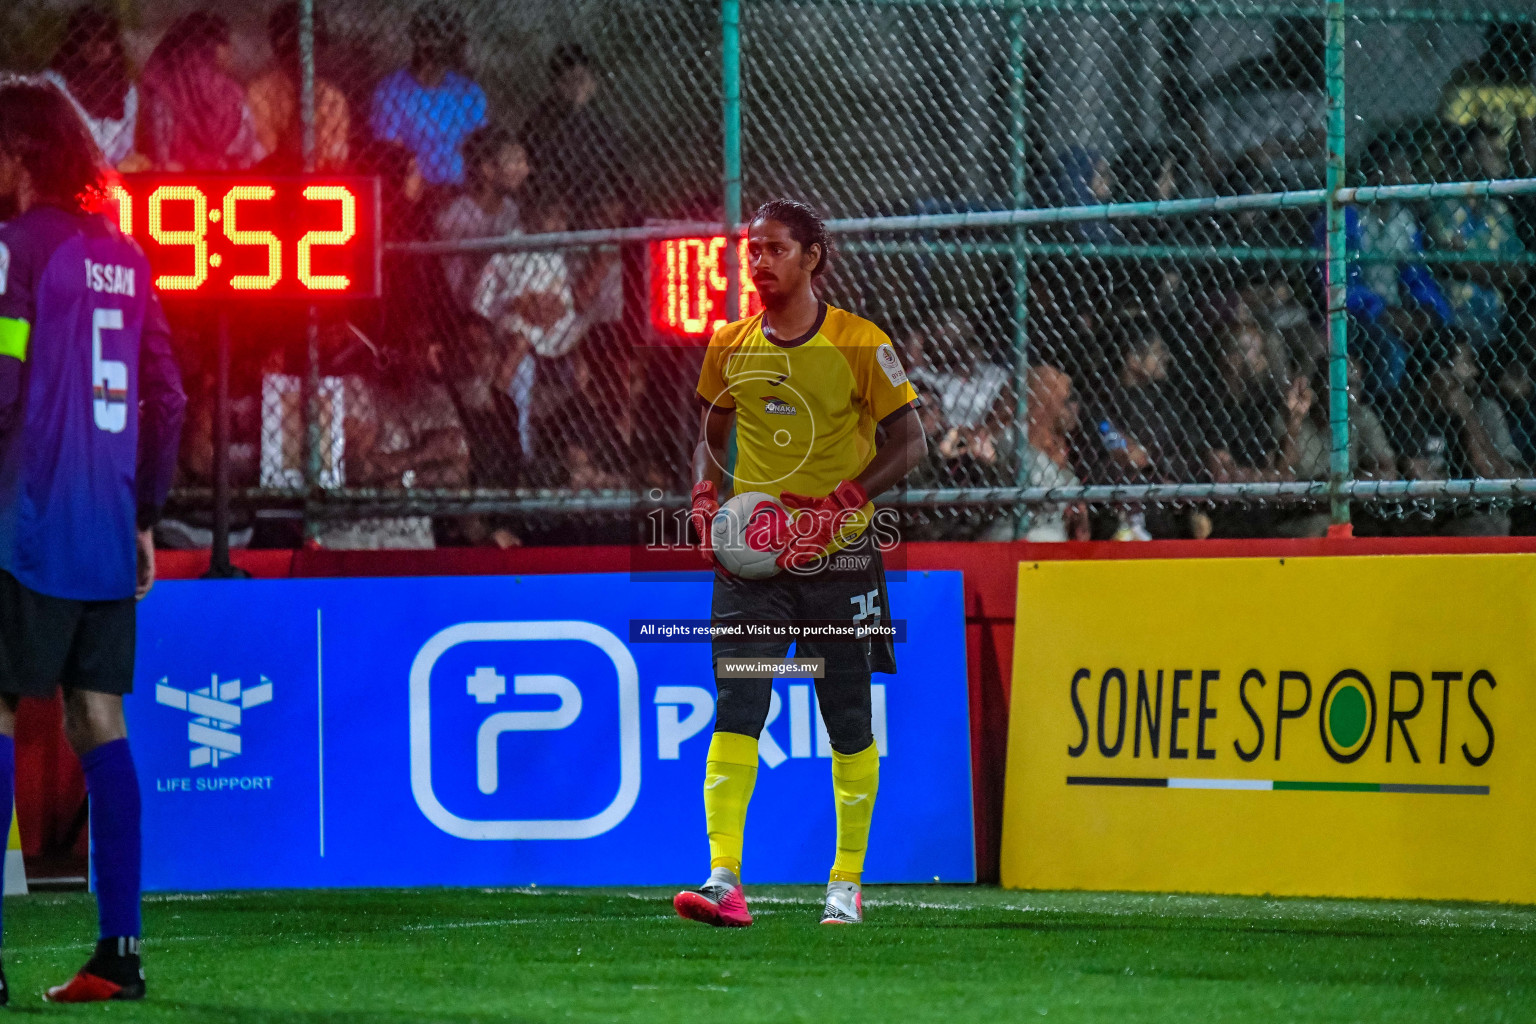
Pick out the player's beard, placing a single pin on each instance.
(773, 297)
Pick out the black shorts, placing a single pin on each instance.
(47, 642)
(849, 587)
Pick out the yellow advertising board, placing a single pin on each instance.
(1360, 726)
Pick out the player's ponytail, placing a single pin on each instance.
(804, 226)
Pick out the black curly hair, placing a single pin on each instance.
(40, 128)
(804, 226)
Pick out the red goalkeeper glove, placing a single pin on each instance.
(701, 513)
(819, 520)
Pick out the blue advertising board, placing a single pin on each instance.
(506, 731)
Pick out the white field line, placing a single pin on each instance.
(508, 922)
(1119, 905)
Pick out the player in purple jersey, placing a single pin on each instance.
(90, 417)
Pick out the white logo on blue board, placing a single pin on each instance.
(806, 725)
(485, 686)
(217, 712)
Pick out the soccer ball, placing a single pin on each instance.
(748, 533)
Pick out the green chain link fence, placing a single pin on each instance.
(1157, 269)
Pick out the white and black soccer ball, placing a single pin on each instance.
(749, 533)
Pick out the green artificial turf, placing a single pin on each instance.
(949, 953)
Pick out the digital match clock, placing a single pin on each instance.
(227, 236)
(688, 288)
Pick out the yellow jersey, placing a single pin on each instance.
(806, 409)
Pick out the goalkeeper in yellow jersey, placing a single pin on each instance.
(825, 419)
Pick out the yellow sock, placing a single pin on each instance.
(855, 777)
(729, 776)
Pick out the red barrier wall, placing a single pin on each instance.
(48, 800)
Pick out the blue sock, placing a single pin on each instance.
(7, 778)
(113, 786)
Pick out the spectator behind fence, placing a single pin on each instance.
(471, 363)
(1243, 442)
(1266, 289)
(403, 193)
(495, 166)
(430, 106)
(1412, 299)
(415, 301)
(1257, 225)
(943, 467)
(599, 284)
(976, 397)
(1511, 391)
(1272, 109)
(528, 296)
(598, 420)
(274, 100)
(1479, 374)
(959, 458)
(1053, 415)
(1495, 90)
(91, 69)
(1479, 226)
(1396, 303)
(1153, 172)
(571, 147)
(1448, 438)
(1140, 427)
(1083, 177)
(1371, 456)
(973, 391)
(195, 112)
(192, 526)
(1252, 433)
(401, 431)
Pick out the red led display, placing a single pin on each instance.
(688, 287)
(227, 236)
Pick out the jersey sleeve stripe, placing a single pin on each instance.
(14, 336)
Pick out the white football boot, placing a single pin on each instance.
(845, 904)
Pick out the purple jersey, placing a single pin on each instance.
(90, 404)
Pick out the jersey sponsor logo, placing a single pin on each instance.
(778, 407)
(885, 355)
(110, 278)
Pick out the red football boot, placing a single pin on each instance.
(114, 972)
(719, 901)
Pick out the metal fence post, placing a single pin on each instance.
(1018, 186)
(1335, 256)
(730, 80)
(312, 460)
(307, 79)
(730, 175)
